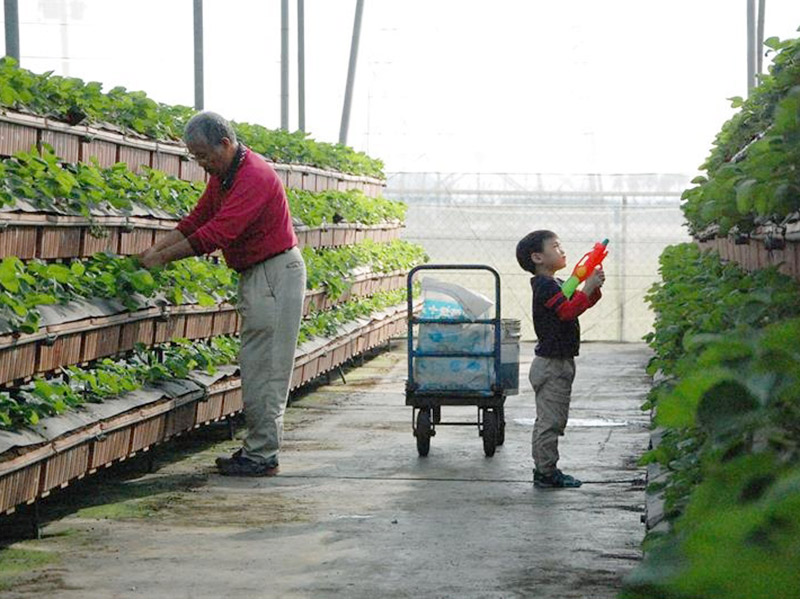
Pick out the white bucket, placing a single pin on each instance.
(509, 355)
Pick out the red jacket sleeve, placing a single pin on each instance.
(570, 309)
(595, 297)
(245, 203)
(201, 213)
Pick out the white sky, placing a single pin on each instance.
(609, 86)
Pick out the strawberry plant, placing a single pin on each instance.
(296, 147)
(699, 294)
(78, 189)
(733, 451)
(352, 206)
(751, 173)
(71, 100)
(729, 343)
(332, 268)
(108, 378)
(325, 323)
(25, 285)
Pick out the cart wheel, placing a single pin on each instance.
(501, 426)
(423, 432)
(490, 432)
(436, 412)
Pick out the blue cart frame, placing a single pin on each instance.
(426, 405)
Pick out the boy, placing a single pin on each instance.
(555, 320)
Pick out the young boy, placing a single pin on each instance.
(555, 320)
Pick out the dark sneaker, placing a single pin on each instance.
(238, 465)
(220, 461)
(555, 480)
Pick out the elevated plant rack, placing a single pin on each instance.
(81, 143)
(83, 331)
(58, 450)
(65, 448)
(30, 235)
(769, 245)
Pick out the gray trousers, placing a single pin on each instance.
(271, 306)
(551, 379)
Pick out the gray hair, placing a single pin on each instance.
(208, 128)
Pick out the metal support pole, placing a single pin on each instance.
(623, 236)
(12, 29)
(301, 66)
(64, 27)
(351, 73)
(285, 65)
(760, 37)
(198, 54)
(751, 44)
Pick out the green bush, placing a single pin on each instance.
(68, 99)
(77, 189)
(751, 174)
(729, 343)
(26, 285)
(107, 378)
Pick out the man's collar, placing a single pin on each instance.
(227, 180)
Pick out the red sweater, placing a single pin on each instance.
(250, 222)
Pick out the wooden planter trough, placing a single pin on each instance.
(80, 340)
(53, 237)
(765, 247)
(81, 143)
(30, 472)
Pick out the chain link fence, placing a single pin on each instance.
(479, 218)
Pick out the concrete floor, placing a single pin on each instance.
(357, 514)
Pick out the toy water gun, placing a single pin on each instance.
(584, 268)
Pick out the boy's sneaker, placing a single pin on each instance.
(555, 480)
(238, 465)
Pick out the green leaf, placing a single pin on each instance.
(40, 299)
(736, 101)
(204, 299)
(8, 277)
(77, 268)
(744, 195)
(723, 402)
(59, 272)
(143, 281)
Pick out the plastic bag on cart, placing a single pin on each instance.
(450, 301)
(443, 300)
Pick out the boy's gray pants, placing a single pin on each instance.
(271, 305)
(551, 379)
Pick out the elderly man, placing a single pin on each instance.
(244, 211)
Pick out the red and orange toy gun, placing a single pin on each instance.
(584, 268)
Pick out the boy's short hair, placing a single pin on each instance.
(532, 243)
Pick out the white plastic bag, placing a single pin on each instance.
(448, 300)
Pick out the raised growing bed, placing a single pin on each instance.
(59, 450)
(81, 143)
(29, 235)
(767, 246)
(82, 331)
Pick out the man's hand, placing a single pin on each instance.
(149, 258)
(595, 281)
